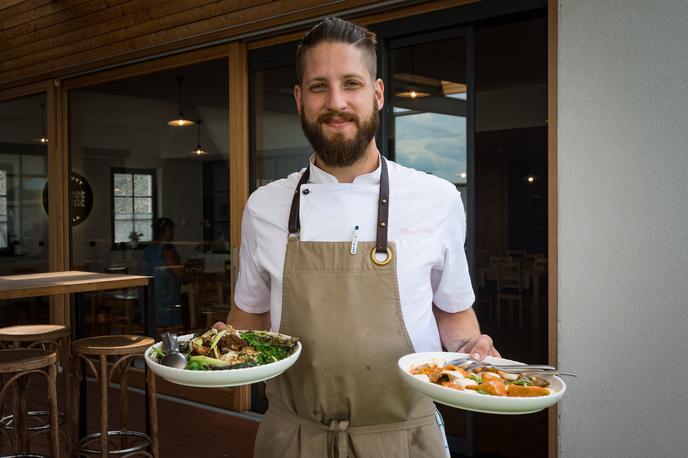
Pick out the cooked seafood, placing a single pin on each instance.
(486, 380)
(232, 349)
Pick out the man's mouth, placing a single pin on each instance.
(338, 123)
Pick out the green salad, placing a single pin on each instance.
(232, 349)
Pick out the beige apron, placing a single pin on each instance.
(344, 396)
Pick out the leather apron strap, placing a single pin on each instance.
(381, 246)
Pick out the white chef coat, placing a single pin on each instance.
(427, 224)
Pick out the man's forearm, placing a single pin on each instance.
(244, 320)
(456, 328)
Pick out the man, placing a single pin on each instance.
(350, 255)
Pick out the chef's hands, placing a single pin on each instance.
(478, 347)
(460, 332)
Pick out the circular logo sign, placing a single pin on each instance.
(80, 198)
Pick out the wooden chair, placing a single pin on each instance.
(510, 291)
(539, 270)
(115, 310)
(19, 365)
(123, 350)
(206, 294)
(516, 253)
(54, 338)
(500, 261)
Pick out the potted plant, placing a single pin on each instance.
(134, 237)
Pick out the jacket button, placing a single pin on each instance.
(306, 191)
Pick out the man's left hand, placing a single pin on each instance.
(478, 347)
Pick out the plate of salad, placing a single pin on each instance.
(486, 390)
(228, 357)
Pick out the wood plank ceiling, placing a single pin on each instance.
(41, 39)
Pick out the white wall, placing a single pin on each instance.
(623, 227)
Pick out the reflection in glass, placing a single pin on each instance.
(142, 173)
(23, 219)
(429, 132)
(280, 146)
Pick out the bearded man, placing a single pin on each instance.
(357, 306)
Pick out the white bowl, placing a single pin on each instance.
(472, 400)
(220, 378)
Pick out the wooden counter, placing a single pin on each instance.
(73, 281)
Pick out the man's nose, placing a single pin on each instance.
(336, 100)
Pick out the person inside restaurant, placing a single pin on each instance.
(162, 262)
(363, 260)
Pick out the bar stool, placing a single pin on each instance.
(124, 349)
(51, 337)
(20, 364)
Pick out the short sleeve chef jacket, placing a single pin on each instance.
(426, 223)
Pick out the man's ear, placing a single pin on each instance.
(297, 97)
(379, 94)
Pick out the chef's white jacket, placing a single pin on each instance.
(427, 223)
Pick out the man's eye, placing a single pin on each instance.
(352, 84)
(318, 87)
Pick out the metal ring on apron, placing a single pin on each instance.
(383, 262)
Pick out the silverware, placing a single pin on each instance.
(544, 372)
(172, 358)
(468, 363)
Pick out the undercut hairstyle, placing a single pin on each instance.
(335, 30)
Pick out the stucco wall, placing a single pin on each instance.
(623, 227)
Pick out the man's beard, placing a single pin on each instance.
(338, 151)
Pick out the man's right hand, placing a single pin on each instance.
(239, 319)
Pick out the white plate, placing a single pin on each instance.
(472, 400)
(220, 378)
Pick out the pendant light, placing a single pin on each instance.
(412, 91)
(180, 120)
(43, 138)
(198, 151)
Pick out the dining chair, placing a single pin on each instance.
(206, 299)
(510, 291)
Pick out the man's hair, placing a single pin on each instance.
(334, 29)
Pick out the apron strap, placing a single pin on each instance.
(339, 430)
(382, 207)
(294, 220)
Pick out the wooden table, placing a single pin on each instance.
(77, 282)
(74, 282)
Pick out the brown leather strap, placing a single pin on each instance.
(294, 220)
(382, 207)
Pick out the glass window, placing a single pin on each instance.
(23, 201)
(133, 204)
(3, 209)
(153, 149)
(280, 145)
(428, 88)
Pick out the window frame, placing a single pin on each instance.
(4, 235)
(154, 197)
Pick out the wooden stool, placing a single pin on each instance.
(51, 337)
(124, 348)
(20, 365)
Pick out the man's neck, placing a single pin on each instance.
(366, 164)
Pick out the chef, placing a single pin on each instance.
(362, 259)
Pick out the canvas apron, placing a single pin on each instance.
(344, 396)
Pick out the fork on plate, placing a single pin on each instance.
(468, 363)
